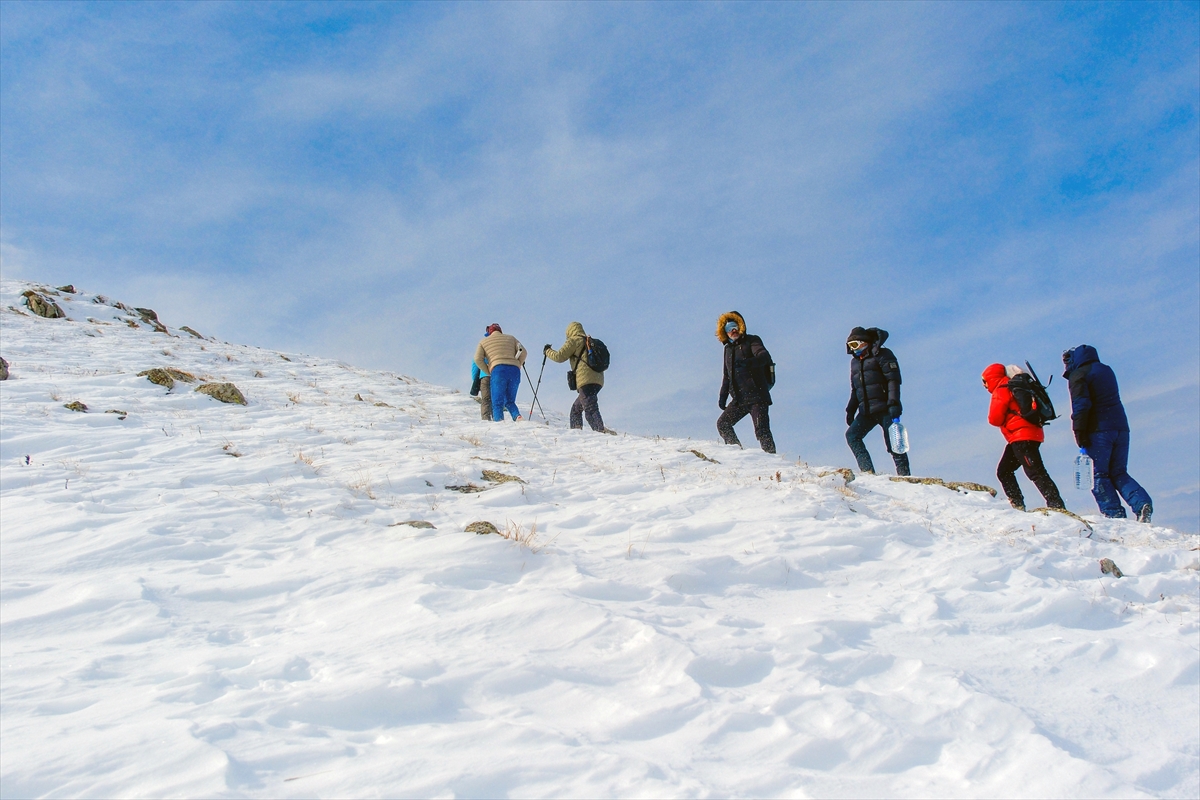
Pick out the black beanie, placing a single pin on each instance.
(861, 334)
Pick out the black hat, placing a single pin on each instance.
(861, 335)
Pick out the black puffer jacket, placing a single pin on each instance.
(875, 378)
(746, 376)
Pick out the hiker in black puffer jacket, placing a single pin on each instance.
(746, 381)
(874, 395)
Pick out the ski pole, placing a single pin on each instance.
(535, 400)
(539, 386)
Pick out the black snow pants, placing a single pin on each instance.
(1029, 456)
(858, 431)
(587, 405)
(762, 424)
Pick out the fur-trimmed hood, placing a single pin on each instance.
(726, 317)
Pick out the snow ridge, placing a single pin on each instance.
(228, 601)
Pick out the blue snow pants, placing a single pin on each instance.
(506, 379)
(1110, 456)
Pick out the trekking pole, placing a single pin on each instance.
(535, 389)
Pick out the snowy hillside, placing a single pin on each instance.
(209, 599)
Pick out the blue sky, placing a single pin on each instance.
(377, 182)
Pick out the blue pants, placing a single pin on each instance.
(506, 379)
(1110, 458)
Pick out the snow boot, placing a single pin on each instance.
(1145, 514)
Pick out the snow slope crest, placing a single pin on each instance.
(208, 599)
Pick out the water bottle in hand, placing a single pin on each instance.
(898, 437)
(1084, 474)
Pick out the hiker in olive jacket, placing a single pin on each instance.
(746, 381)
(502, 356)
(585, 380)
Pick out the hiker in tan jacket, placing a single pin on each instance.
(585, 380)
(502, 356)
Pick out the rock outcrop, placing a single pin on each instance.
(43, 306)
(225, 392)
(3, 370)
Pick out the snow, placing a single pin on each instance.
(212, 600)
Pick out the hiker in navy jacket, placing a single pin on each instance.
(1102, 431)
(874, 395)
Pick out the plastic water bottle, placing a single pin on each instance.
(898, 437)
(1084, 475)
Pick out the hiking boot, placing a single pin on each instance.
(1145, 513)
(1019, 505)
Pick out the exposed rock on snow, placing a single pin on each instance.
(225, 392)
(75, 405)
(159, 376)
(481, 527)
(953, 485)
(1108, 567)
(3, 370)
(191, 332)
(69, 288)
(415, 523)
(42, 306)
(499, 477)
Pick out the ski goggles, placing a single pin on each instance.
(731, 326)
(856, 345)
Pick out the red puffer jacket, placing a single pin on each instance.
(1004, 413)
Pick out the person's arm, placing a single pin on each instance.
(481, 358)
(891, 373)
(1081, 405)
(759, 357)
(521, 353)
(998, 409)
(570, 349)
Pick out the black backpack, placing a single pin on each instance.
(597, 355)
(1033, 401)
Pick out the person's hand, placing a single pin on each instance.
(721, 404)
(895, 411)
(849, 417)
(546, 348)
(1083, 439)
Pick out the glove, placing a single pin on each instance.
(546, 348)
(1083, 439)
(475, 384)
(849, 417)
(722, 402)
(895, 411)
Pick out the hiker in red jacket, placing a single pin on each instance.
(1024, 441)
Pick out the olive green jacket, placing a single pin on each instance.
(575, 349)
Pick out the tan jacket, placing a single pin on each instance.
(498, 349)
(575, 349)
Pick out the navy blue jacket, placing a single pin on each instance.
(1095, 399)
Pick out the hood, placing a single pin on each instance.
(721, 320)
(1076, 358)
(876, 336)
(575, 331)
(994, 376)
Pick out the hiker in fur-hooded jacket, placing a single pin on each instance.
(746, 382)
(874, 395)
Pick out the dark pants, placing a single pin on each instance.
(1029, 456)
(858, 431)
(485, 398)
(587, 405)
(762, 425)
(1110, 459)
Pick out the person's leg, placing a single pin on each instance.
(854, 437)
(899, 459)
(576, 416)
(1030, 454)
(485, 398)
(510, 395)
(1126, 486)
(591, 405)
(498, 388)
(730, 417)
(1101, 451)
(761, 416)
(1006, 472)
